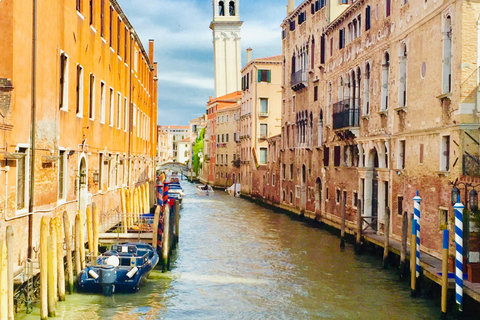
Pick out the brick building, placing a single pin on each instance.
(78, 112)
(379, 102)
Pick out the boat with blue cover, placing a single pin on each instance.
(120, 269)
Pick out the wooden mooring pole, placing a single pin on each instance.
(403, 249)
(156, 218)
(177, 221)
(68, 249)
(386, 238)
(358, 242)
(52, 269)
(10, 288)
(96, 229)
(342, 231)
(90, 229)
(60, 260)
(78, 255)
(445, 273)
(3, 281)
(413, 250)
(44, 268)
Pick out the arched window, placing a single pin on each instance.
(221, 8)
(320, 129)
(402, 90)
(366, 93)
(385, 81)
(231, 8)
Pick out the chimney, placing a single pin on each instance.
(290, 6)
(150, 50)
(249, 55)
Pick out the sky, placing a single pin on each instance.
(184, 47)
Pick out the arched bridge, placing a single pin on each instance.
(173, 166)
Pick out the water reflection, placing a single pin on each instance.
(237, 260)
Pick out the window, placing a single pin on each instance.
(338, 194)
(420, 154)
(231, 8)
(320, 129)
(291, 196)
(322, 50)
(388, 4)
(385, 81)
(400, 205)
(263, 155)
(263, 106)
(91, 101)
(263, 130)
(125, 44)
(366, 93)
(112, 108)
(264, 76)
(119, 111)
(445, 155)
(119, 34)
(354, 199)
(79, 91)
(327, 194)
(367, 18)
(292, 25)
(326, 156)
(91, 13)
(226, 137)
(341, 38)
(302, 17)
(110, 28)
(79, 5)
(331, 46)
(447, 56)
(63, 101)
(61, 175)
(402, 90)
(22, 177)
(221, 8)
(125, 114)
(336, 155)
(401, 154)
(102, 102)
(102, 18)
(291, 171)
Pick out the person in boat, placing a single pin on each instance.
(205, 187)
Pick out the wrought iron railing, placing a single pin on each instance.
(298, 77)
(346, 115)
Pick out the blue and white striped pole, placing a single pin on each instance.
(459, 254)
(416, 216)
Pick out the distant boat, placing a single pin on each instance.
(122, 268)
(202, 191)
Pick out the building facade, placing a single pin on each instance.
(79, 107)
(168, 138)
(260, 115)
(379, 102)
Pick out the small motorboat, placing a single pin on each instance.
(122, 268)
(205, 190)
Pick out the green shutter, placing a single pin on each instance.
(259, 76)
(269, 76)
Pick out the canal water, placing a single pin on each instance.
(237, 260)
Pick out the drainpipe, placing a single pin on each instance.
(32, 130)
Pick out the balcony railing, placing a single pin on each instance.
(263, 114)
(344, 115)
(298, 80)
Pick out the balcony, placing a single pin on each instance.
(263, 114)
(344, 116)
(262, 136)
(298, 80)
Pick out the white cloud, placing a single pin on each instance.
(187, 79)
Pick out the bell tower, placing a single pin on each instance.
(227, 57)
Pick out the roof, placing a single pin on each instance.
(173, 127)
(272, 59)
(229, 97)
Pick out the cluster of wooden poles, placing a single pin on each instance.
(6, 276)
(133, 202)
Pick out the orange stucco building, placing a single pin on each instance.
(78, 110)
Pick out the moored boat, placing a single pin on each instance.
(122, 268)
(205, 190)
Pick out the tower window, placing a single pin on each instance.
(231, 8)
(221, 8)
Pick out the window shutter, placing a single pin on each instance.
(367, 18)
(259, 76)
(269, 76)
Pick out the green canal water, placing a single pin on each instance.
(237, 260)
